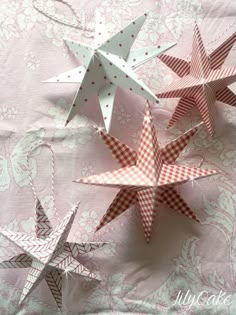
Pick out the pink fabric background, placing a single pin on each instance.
(183, 255)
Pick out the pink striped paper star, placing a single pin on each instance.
(203, 80)
(48, 255)
(147, 177)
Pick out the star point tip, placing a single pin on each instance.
(95, 126)
(169, 125)
(3, 232)
(100, 129)
(66, 122)
(196, 27)
(97, 228)
(67, 39)
(200, 124)
(75, 207)
(170, 45)
(155, 98)
(97, 278)
(22, 298)
(67, 273)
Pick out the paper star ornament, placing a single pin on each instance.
(147, 177)
(48, 255)
(203, 80)
(109, 64)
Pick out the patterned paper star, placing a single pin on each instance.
(108, 65)
(48, 255)
(202, 81)
(147, 177)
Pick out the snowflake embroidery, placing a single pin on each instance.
(87, 170)
(88, 220)
(121, 115)
(31, 61)
(8, 113)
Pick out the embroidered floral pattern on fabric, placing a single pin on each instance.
(8, 113)
(136, 278)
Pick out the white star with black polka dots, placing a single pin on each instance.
(110, 64)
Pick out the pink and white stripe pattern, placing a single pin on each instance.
(147, 177)
(49, 255)
(202, 80)
(218, 56)
(179, 66)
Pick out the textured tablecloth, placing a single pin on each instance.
(136, 278)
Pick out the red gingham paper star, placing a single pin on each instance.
(202, 81)
(147, 177)
(49, 255)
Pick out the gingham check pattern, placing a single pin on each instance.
(171, 151)
(49, 254)
(180, 174)
(123, 154)
(153, 198)
(123, 201)
(171, 198)
(147, 200)
(149, 160)
(202, 80)
(148, 176)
